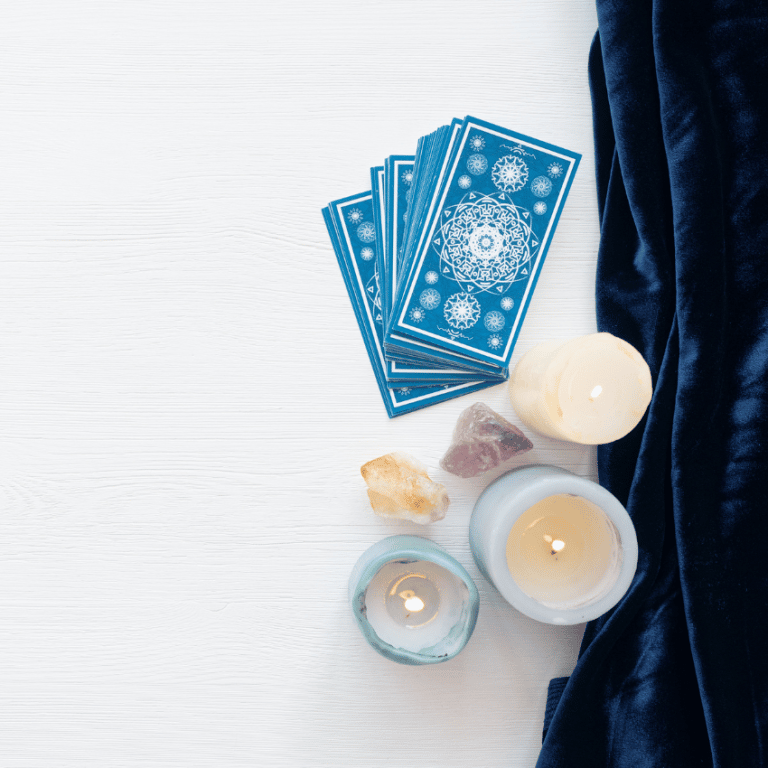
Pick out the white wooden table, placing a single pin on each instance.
(185, 400)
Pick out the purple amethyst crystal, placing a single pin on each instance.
(481, 441)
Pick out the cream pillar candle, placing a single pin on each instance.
(592, 390)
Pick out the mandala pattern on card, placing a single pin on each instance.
(541, 186)
(477, 165)
(477, 143)
(555, 170)
(507, 303)
(494, 321)
(373, 294)
(366, 254)
(495, 342)
(429, 299)
(366, 232)
(540, 208)
(407, 177)
(510, 173)
(355, 216)
(431, 277)
(417, 314)
(485, 243)
(465, 182)
(461, 310)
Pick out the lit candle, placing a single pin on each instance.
(558, 547)
(593, 389)
(413, 602)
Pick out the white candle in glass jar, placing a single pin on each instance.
(592, 390)
(562, 549)
(412, 606)
(558, 547)
(413, 602)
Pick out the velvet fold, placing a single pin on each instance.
(677, 674)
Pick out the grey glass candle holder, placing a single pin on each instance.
(601, 578)
(393, 561)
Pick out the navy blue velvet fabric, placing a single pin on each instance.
(677, 674)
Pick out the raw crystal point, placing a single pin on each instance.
(481, 441)
(399, 486)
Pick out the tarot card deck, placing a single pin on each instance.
(440, 258)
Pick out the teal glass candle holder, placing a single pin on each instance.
(413, 602)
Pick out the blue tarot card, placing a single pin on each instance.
(378, 195)
(430, 167)
(412, 368)
(352, 231)
(399, 187)
(493, 215)
(384, 189)
(377, 201)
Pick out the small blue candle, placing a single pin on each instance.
(413, 602)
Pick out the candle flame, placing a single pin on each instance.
(557, 545)
(595, 392)
(412, 602)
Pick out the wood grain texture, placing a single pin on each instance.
(185, 399)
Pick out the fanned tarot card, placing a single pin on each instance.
(352, 230)
(395, 198)
(483, 245)
(430, 167)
